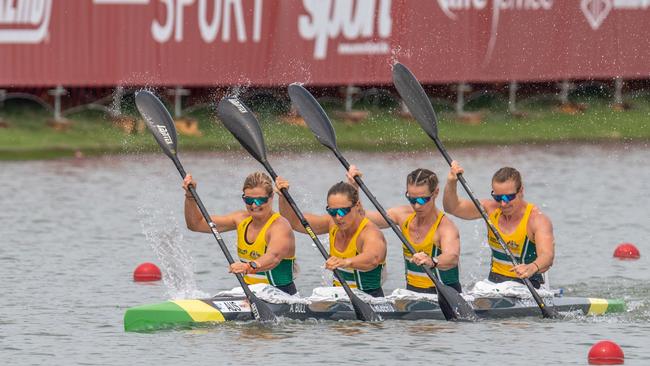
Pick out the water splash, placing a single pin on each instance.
(161, 230)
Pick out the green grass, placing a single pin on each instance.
(92, 133)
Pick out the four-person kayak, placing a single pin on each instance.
(189, 313)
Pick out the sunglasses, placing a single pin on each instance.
(258, 201)
(341, 211)
(504, 197)
(419, 200)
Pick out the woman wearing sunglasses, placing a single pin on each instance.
(265, 241)
(526, 230)
(432, 234)
(357, 246)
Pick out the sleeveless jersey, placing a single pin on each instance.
(518, 242)
(415, 276)
(281, 275)
(363, 280)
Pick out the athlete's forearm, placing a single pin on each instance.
(287, 213)
(447, 261)
(450, 200)
(268, 261)
(364, 262)
(544, 261)
(193, 217)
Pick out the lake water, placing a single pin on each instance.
(73, 231)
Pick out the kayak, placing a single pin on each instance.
(175, 314)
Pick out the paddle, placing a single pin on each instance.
(453, 305)
(241, 122)
(420, 106)
(162, 127)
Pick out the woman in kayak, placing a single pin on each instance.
(357, 246)
(431, 233)
(265, 242)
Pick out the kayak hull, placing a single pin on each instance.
(176, 314)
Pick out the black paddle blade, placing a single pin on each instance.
(241, 122)
(416, 99)
(261, 310)
(158, 121)
(453, 305)
(363, 311)
(314, 115)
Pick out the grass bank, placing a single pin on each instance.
(92, 133)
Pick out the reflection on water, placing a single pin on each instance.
(73, 231)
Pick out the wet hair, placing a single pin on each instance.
(507, 173)
(420, 177)
(259, 179)
(346, 189)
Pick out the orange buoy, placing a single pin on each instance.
(627, 251)
(606, 353)
(147, 272)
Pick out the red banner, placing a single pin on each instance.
(323, 42)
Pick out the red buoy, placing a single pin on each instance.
(147, 272)
(627, 251)
(606, 353)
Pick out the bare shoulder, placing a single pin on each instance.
(401, 212)
(238, 216)
(447, 224)
(539, 220)
(371, 232)
(281, 225)
(489, 205)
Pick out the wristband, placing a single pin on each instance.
(536, 266)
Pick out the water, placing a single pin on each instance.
(73, 231)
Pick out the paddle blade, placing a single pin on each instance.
(314, 115)
(363, 311)
(158, 121)
(241, 122)
(416, 99)
(261, 310)
(453, 305)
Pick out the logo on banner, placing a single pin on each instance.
(360, 22)
(24, 21)
(596, 11)
(448, 7)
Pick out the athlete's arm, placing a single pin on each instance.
(453, 204)
(194, 219)
(449, 244)
(373, 252)
(320, 224)
(544, 242)
(542, 231)
(394, 213)
(281, 244)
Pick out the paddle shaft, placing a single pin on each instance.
(545, 312)
(213, 229)
(308, 229)
(384, 214)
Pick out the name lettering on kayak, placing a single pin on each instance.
(165, 134)
(232, 306)
(297, 308)
(383, 308)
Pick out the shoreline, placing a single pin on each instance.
(92, 134)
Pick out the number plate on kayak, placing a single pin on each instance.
(232, 306)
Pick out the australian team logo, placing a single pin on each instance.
(512, 245)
